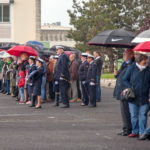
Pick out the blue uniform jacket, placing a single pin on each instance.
(82, 72)
(62, 68)
(30, 70)
(92, 72)
(139, 81)
(37, 75)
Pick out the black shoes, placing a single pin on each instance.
(92, 106)
(123, 134)
(144, 137)
(64, 106)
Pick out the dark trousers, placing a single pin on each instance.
(125, 113)
(63, 88)
(85, 97)
(0, 84)
(51, 92)
(8, 86)
(92, 94)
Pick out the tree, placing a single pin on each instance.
(89, 18)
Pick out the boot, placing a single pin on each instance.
(33, 99)
(57, 100)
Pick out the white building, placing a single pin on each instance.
(20, 20)
(56, 35)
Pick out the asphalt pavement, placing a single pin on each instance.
(76, 128)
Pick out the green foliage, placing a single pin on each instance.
(89, 18)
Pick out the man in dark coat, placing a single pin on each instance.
(63, 76)
(99, 62)
(91, 80)
(128, 57)
(82, 72)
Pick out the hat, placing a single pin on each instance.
(40, 60)
(84, 54)
(59, 47)
(90, 56)
(56, 57)
(32, 57)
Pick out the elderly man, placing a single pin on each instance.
(63, 76)
(73, 70)
(128, 57)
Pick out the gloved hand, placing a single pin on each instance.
(56, 82)
(92, 83)
(83, 82)
(61, 78)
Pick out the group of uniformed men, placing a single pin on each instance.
(89, 78)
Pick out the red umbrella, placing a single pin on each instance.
(2, 50)
(143, 47)
(18, 50)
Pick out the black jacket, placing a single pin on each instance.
(62, 68)
(30, 70)
(82, 72)
(99, 63)
(92, 72)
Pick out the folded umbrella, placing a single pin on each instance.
(18, 50)
(113, 38)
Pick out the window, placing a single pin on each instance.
(4, 13)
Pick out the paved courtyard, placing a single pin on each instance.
(76, 128)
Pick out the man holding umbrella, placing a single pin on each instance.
(62, 74)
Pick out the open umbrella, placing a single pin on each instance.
(113, 38)
(35, 43)
(143, 48)
(142, 37)
(4, 54)
(17, 50)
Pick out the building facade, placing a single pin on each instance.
(56, 34)
(20, 20)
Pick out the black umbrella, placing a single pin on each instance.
(113, 38)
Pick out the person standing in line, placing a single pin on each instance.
(91, 80)
(99, 62)
(128, 57)
(73, 70)
(62, 74)
(82, 73)
(37, 82)
(31, 67)
(137, 78)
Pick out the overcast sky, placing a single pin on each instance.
(56, 10)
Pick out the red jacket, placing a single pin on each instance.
(21, 81)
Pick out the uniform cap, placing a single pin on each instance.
(59, 47)
(32, 57)
(84, 54)
(40, 60)
(90, 56)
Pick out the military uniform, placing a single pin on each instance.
(62, 75)
(30, 69)
(91, 80)
(82, 78)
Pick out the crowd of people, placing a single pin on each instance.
(61, 78)
(65, 79)
(133, 79)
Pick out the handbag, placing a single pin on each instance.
(128, 94)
